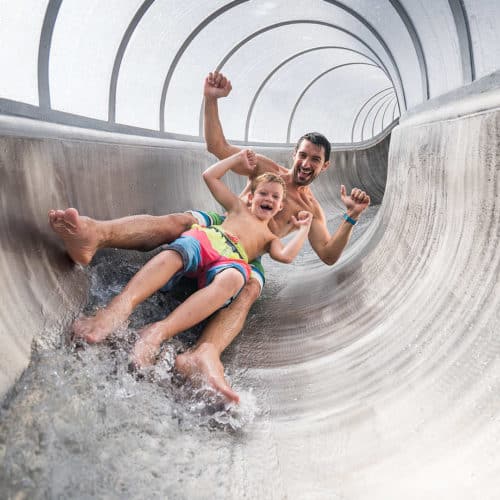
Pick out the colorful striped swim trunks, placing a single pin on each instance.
(208, 219)
(205, 252)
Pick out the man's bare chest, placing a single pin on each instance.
(282, 224)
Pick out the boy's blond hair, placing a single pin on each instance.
(268, 177)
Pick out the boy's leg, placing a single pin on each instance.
(192, 311)
(83, 236)
(150, 278)
(204, 360)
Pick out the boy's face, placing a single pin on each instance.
(267, 200)
(308, 163)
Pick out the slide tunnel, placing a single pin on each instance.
(375, 378)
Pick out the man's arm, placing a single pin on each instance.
(218, 86)
(286, 253)
(330, 247)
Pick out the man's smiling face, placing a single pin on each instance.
(308, 163)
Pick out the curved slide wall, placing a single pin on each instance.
(381, 373)
(105, 176)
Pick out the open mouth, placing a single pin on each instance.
(304, 173)
(266, 206)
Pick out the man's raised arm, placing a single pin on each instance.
(217, 86)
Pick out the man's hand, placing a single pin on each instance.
(356, 203)
(216, 85)
(304, 218)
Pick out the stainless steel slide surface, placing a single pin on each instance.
(376, 378)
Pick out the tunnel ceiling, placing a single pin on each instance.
(347, 68)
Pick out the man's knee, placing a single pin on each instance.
(173, 225)
(249, 293)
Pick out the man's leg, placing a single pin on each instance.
(83, 236)
(204, 360)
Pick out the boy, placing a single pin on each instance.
(218, 256)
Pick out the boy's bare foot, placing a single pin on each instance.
(203, 364)
(77, 233)
(146, 348)
(94, 329)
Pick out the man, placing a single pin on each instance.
(82, 236)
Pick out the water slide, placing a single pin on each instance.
(376, 378)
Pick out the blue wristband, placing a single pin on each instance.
(349, 219)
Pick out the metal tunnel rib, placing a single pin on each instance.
(386, 109)
(385, 103)
(394, 110)
(287, 23)
(417, 44)
(368, 114)
(181, 51)
(464, 40)
(363, 107)
(49, 22)
(119, 57)
(308, 86)
(283, 63)
(379, 38)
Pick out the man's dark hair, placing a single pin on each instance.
(317, 139)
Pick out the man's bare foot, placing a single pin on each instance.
(94, 329)
(203, 364)
(146, 348)
(77, 233)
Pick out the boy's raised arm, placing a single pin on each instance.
(286, 253)
(213, 175)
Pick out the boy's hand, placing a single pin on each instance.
(356, 203)
(303, 219)
(216, 85)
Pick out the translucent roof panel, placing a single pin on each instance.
(272, 98)
(84, 44)
(393, 43)
(20, 28)
(248, 55)
(272, 110)
(151, 52)
(484, 22)
(138, 66)
(437, 34)
(296, 63)
(334, 113)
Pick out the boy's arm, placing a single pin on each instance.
(330, 247)
(286, 253)
(213, 175)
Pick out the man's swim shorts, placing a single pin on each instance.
(205, 252)
(207, 219)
